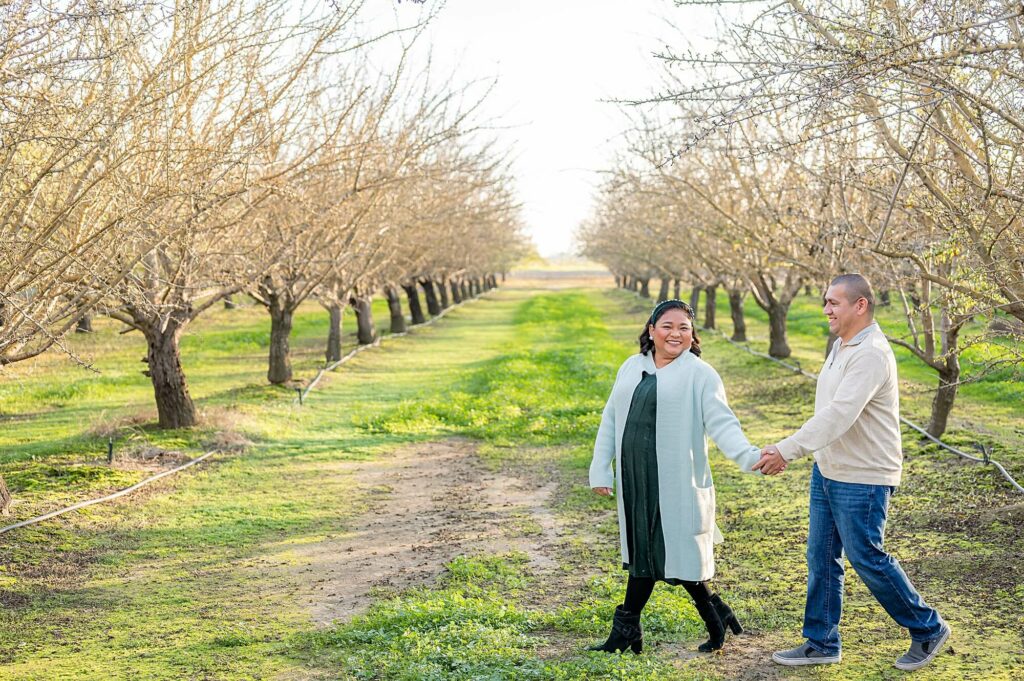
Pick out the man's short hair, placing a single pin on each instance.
(856, 286)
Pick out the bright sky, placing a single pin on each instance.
(554, 61)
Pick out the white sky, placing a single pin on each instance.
(554, 60)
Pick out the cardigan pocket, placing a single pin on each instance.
(703, 510)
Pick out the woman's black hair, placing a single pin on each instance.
(647, 343)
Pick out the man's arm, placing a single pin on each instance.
(864, 375)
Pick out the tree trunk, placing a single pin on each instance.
(884, 298)
(395, 307)
(464, 290)
(739, 324)
(949, 377)
(778, 346)
(173, 403)
(365, 331)
(618, 282)
(711, 295)
(645, 288)
(229, 303)
(663, 291)
(5, 498)
(675, 289)
(279, 369)
(942, 404)
(832, 338)
(442, 292)
(415, 308)
(334, 332)
(430, 294)
(456, 291)
(84, 324)
(695, 300)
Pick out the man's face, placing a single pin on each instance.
(843, 314)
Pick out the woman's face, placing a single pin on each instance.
(672, 334)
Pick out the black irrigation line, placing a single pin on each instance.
(188, 464)
(906, 422)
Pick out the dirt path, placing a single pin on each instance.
(429, 503)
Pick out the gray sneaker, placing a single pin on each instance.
(804, 654)
(923, 652)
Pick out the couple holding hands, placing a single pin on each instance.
(652, 440)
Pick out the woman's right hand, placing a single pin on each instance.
(603, 491)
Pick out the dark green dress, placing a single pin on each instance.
(644, 537)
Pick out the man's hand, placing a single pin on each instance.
(603, 491)
(771, 462)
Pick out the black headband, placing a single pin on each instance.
(664, 305)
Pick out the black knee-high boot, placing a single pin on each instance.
(702, 599)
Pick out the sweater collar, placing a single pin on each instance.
(648, 362)
(862, 334)
(856, 340)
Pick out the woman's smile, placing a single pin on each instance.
(672, 335)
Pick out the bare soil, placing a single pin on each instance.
(428, 504)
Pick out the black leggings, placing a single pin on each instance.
(639, 589)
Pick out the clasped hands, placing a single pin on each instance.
(771, 461)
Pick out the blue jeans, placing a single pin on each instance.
(851, 517)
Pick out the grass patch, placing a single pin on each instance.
(548, 390)
(191, 579)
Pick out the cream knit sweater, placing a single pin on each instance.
(855, 430)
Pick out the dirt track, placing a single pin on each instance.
(429, 503)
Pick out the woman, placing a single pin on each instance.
(653, 430)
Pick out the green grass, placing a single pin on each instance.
(191, 579)
(55, 415)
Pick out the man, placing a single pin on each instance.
(855, 437)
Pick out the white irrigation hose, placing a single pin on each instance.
(911, 424)
(193, 462)
(109, 497)
(958, 452)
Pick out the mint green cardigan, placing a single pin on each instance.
(691, 406)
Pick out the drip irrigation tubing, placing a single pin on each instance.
(910, 424)
(188, 464)
(109, 497)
